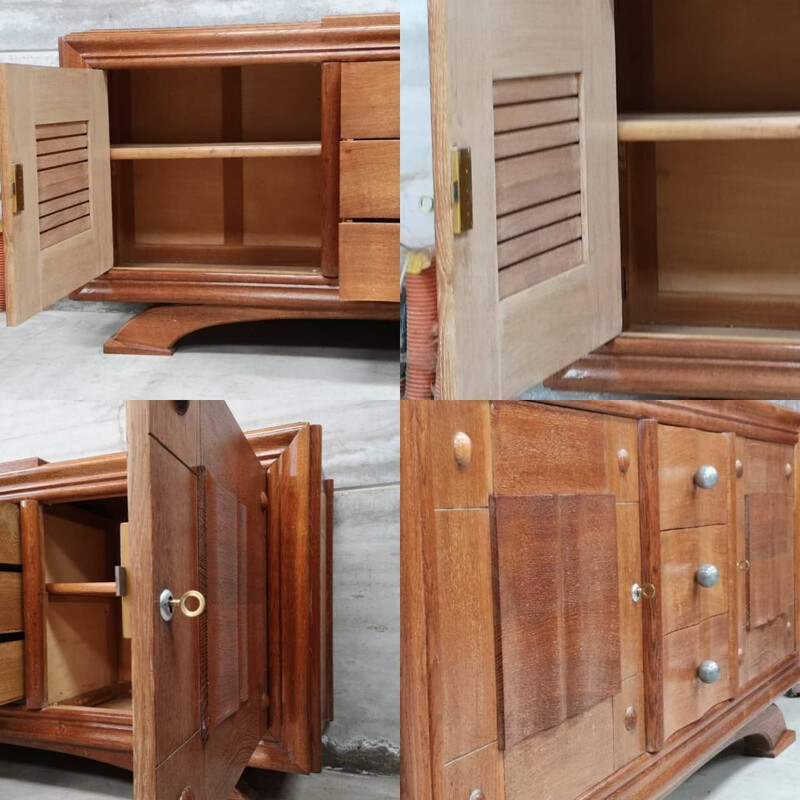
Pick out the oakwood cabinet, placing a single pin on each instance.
(169, 610)
(631, 168)
(225, 174)
(596, 599)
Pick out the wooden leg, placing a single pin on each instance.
(156, 331)
(766, 736)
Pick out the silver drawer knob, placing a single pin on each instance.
(707, 575)
(706, 477)
(708, 672)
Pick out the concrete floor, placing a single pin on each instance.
(734, 777)
(38, 775)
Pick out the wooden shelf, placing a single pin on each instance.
(135, 152)
(707, 127)
(83, 589)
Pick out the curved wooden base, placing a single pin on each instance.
(766, 736)
(156, 331)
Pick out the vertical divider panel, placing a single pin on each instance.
(34, 599)
(331, 135)
(653, 639)
(733, 594)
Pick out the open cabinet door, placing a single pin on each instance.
(196, 523)
(56, 183)
(528, 86)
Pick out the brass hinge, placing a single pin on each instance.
(17, 189)
(462, 189)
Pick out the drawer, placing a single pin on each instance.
(371, 100)
(10, 546)
(681, 453)
(686, 696)
(369, 179)
(690, 596)
(10, 602)
(12, 683)
(369, 261)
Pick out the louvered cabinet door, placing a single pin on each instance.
(56, 183)
(528, 87)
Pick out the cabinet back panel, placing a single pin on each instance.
(176, 106)
(81, 648)
(259, 103)
(281, 102)
(179, 202)
(726, 216)
(714, 55)
(75, 547)
(282, 201)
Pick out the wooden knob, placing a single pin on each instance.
(788, 625)
(462, 449)
(264, 501)
(739, 468)
(624, 460)
(187, 794)
(630, 718)
(740, 655)
(788, 470)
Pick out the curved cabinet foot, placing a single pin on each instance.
(766, 735)
(156, 331)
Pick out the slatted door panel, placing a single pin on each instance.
(536, 282)
(557, 609)
(56, 183)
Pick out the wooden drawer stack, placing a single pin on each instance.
(694, 532)
(11, 624)
(369, 233)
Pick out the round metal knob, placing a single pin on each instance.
(477, 794)
(708, 671)
(706, 477)
(707, 575)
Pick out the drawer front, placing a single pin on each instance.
(369, 180)
(686, 696)
(684, 502)
(369, 261)
(10, 546)
(371, 100)
(694, 575)
(11, 673)
(10, 602)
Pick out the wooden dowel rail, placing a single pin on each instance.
(135, 152)
(707, 127)
(100, 589)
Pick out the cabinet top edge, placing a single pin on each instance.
(345, 37)
(755, 419)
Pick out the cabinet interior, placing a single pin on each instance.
(709, 102)
(88, 657)
(176, 202)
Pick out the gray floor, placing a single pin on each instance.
(37, 775)
(734, 777)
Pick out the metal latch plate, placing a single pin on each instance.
(462, 189)
(17, 189)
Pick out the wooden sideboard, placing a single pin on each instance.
(89, 663)
(226, 174)
(633, 226)
(596, 599)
